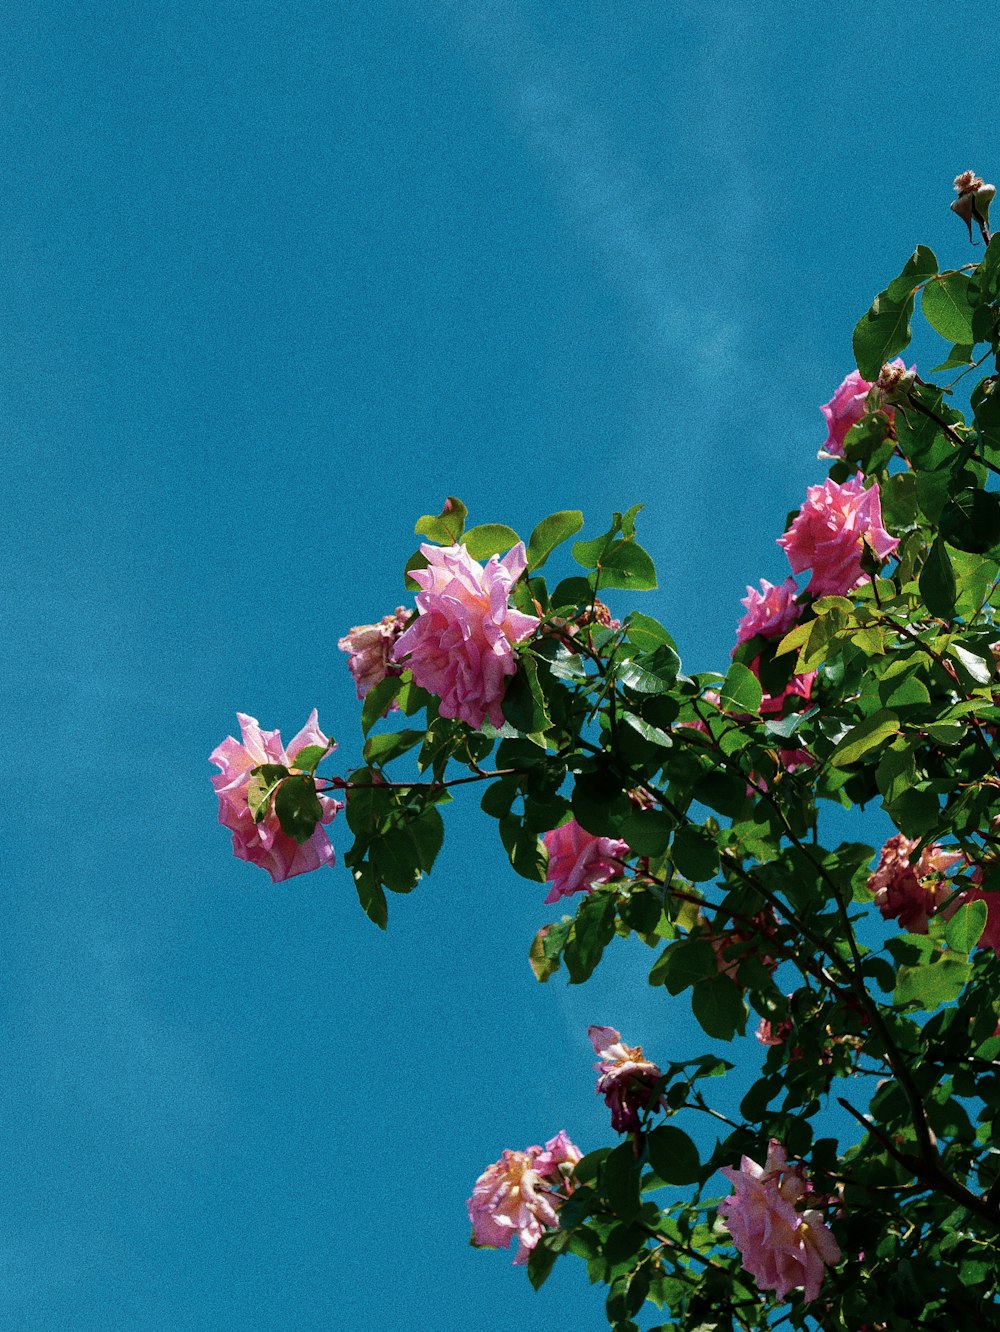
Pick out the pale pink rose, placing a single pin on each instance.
(830, 532)
(578, 860)
(370, 647)
(627, 1082)
(990, 937)
(461, 646)
(519, 1196)
(264, 843)
(911, 892)
(848, 406)
(781, 1247)
(771, 612)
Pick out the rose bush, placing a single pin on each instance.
(691, 811)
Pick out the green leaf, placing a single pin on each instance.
(966, 926)
(263, 783)
(646, 634)
(552, 532)
(489, 539)
(882, 333)
(937, 582)
(741, 690)
(673, 1155)
(620, 1181)
(627, 565)
(719, 1007)
(921, 266)
(863, 738)
(932, 985)
(647, 831)
(960, 354)
(588, 553)
(946, 307)
(650, 673)
(523, 703)
(976, 667)
(447, 527)
(684, 963)
(371, 896)
(695, 854)
(593, 930)
(383, 748)
(297, 807)
(309, 757)
(572, 593)
(378, 699)
(971, 520)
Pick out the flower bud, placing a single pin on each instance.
(973, 202)
(895, 381)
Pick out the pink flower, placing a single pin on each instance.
(264, 843)
(990, 937)
(517, 1196)
(578, 860)
(771, 612)
(911, 892)
(627, 1082)
(461, 647)
(370, 647)
(830, 532)
(768, 1035)
(849, 405)
(781, 1247)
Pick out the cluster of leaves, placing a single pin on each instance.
(727, 880)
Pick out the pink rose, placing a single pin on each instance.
(370, 647)
(848, 406)
(518, 1196)
(627, 1081)
(264, 843)
(990, 937)
(578, 860)
(461, 647)
(771, 612)
(768, 1035)
(781, 1247)
(911, 892)
(830, 532)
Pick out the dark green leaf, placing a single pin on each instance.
(593, 930)
(865, 737)
(297, 807)
(523, 702)
(937, 582)
(741, 690)
(718, 1006)
(695, 854)
(921, 266)
(572, 593)
(971, 521)
(673, 1155)
(627, 565)
(371, 896)
(620, 1181)
(383, 748)
(552, 532)
(882, 333)
(309, 757)
(682, 964)
(378, 699)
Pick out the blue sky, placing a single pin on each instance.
(273, 282)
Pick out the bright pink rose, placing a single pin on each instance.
(578, 860)
(911, 892)
(847, 407)
(830, 532)
(990, 937)
(370, 647)
(461, 647)
(771, 612)
(781, 1247)
(627, 1081)
(264, 843)
(517, 1196)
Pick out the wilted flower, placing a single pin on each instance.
(781, 1247)
(370, 647)
(830, 533)
(771, 612)
(849, 405)
(911, 891)
(627, 1082)
(517, 1196)
(578, 860)
(264, 843)
(461, 646)
(973, 202)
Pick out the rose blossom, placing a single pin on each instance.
(461, 647)
(830, 532)
(578, 860)
(781, 1247)
(265, 843)
(848, 406)
(516, 1196)
(370, 647)
(911, 892)
(627, 1081)
(771, 612)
